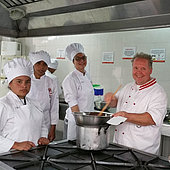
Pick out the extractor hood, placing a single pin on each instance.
(68, 17)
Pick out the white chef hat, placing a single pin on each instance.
(39, 56)
(73, 49)
(53, 64)
(17, 67)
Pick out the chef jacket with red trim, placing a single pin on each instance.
(149, 97)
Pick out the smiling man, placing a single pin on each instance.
(143, 103)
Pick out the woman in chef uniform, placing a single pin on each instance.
(22, 123)
(77, 87)
(44, 90)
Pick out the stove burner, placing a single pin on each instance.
(66, 156)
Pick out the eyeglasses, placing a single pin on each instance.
(80, 58)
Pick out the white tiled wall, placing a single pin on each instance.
(108, 75)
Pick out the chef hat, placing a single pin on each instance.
(73, 49)
(17, 67)
(39, 56)
(53, 64)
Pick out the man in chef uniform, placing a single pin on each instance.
(77, 88)
(44, 90)
(144, 104)
(22, 124)
(52, 67)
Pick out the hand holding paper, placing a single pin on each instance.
(116, 120)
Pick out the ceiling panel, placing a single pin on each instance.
(17, 3)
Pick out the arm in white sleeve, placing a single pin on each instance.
(158, 106)
(58, 86)
(70, 91)
(5, 143)
(54, 110)
(44, 129)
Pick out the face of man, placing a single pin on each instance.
(40, 69)
(141, 71)
(80, 62)
(20, 86)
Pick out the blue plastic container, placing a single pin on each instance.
(98, 92)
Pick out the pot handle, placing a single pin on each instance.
(105, 130)
(99, 130)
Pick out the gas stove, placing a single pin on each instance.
(64, 155)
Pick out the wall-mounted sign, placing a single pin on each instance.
(158, 55)
(60, 54)
(128, 52)
(108, 58)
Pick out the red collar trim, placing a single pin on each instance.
(148, 84)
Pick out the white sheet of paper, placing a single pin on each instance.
(116, 120)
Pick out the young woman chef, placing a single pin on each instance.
(77, 87)
(22, 123)
(44, 90)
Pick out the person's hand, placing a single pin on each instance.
(43, 141)
(121, 113)
(51, 134)
(26, 145)
(108, 97)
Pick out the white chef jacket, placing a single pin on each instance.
(149, 97)
(78, 90)
(44, 91)
(19, 122)
(55, 78)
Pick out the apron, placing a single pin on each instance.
(85, 104)
(27, 124)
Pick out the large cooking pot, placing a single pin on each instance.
(91, 118)
(92, 130)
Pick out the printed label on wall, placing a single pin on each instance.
(60, 54)
(158, 55)
(128, 52)
(108, 58)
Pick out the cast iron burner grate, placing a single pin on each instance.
(66, 156)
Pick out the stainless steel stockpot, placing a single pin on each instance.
(92, 138)
(92, 130)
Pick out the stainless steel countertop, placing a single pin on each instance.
(165, 130)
